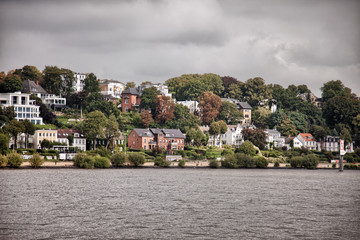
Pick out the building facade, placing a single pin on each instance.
(307, 140)
(147, 139)
(23, 106)
(192, 105)
(113, 88)
(79, 139)
(42, 134)
(274, 138)
(130, 99)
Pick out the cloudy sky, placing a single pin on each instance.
(283, 41)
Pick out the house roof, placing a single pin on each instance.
(155, 130)
(143, 132)
(244, 105)
(63, 133)
(132, 91)
(288, 140)
(307, 137)
(31, 87)
(272, 131)
(173, 133)
(107, 81)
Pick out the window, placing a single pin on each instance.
(14, 100)
(23, 100)
(144, 147)
(19, 115)
(39, 134)
(144, 140)
(126, 101)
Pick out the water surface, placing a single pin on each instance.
(179, 204)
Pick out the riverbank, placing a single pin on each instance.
(191, 164)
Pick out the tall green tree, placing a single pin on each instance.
(255, 90)
(287, 127)
(148, 99)
(91, 84)
(68, 84)
(334, 88)
(260, 117)
(52, 81)
(12, 83)
(93, 126)
(214, 130)
(111, 131)
(229, 113)
(30, 73)
(29, 130)
(183, 119)
(14, 128)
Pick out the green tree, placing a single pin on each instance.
(247, 148)
(4, 143)
(195, 137)
(214, 130)
(319, 132)
(345, 134)
(227, 81)
(118, 159)
(255, 90)
(30, 73)
(287, 127)
(260, 117)
(111, 131)
(183, 119)
(12, 83)
(14, 128)
(136, 159)
(6, 114)
(68, 84)
(334, 88)
(148, 99)
(52, 80)
(129, 85)
(229, 113)
(300, 121)
(223, 128)
(91, 84)
(29, 130)
(235, 91)
(93, 126)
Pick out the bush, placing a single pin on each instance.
(296, 162)
(351, 166)
(101, 162)
(14, 160)
(118, 159)
(226, 152)
(247, 148)
(36, 161)
(161, 162)
(276, 164)
(3, 161)
(261, 162)
(102, 151)
(230, 161)
(333, 165)
(182, 163)
(214, 163)
(244, 160)
(351, 157)
(83, 160)
(310, 161)
(136, 159)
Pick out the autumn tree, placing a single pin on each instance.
(227, 82)
(257, 136)
(164, 109)
(146, 118)
(209, 105)
(129, 85)
(93, 126)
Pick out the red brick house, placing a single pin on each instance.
(168, 139)
(130, 98)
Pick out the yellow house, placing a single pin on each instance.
(245, 109)
(40, 135)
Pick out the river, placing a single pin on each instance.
(179, 204)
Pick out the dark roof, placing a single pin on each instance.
(132, 91)
(143, 132)
(244, 105)
(31, 87)
(155, 130)
(173, 133)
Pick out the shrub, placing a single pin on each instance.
(101, 162)
(310, 161)
(102, 151)
(244, 160)
(161, 162)
(36, 161)
(3, 161)
(261, 162)
(118, 159)
(350, 166)
(14, 160)
(276, 164)
(351, 157)
(214, 163)
(230, 161)
(333, 165)
(83, 160)
(182, 163)
(226, 152)
(247, 147)
(296, 162)
(136, 159)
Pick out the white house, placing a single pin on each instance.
(192, 105)
(274, 136)
(79, 138)
(331, 144)
(23, 106)
(111, 87)
(79, 84)
(232, 137)
(307, 140)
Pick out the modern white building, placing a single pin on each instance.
(274, 136)
(111, 87)
(192, 105)
(232, 137)
(23, 106)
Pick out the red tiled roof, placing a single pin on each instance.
(307, 137)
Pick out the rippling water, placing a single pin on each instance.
(179, 204)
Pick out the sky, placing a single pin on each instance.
(283, 41)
